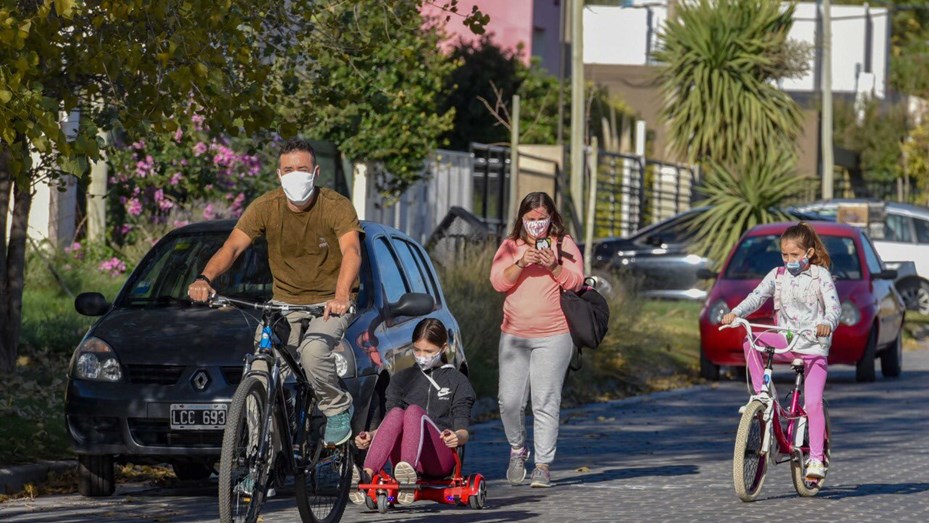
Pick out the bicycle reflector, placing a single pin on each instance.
(95, 360)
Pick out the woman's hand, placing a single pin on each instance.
(532, 255)
(450, 437)
(823, 330)
(363, 440)
(548, 259)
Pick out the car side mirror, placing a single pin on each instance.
(706, 274)
(412, 304)
(886, 274)
(91, 304)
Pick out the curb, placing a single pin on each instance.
(14, 477)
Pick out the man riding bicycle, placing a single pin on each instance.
(314, 251)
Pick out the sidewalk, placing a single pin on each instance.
(14, 477)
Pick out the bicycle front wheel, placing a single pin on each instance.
(749, 464)
(242, 478)
(324, 475)
(798, 466)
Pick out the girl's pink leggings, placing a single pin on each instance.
(814, 368)
(409, 435)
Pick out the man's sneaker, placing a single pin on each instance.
(815, 469)
(359, 477)
(405, 475)
(516, 472)
(339, 427)
(541, 478)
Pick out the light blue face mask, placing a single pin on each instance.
(796, 267)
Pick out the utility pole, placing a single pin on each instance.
(577, 109)
(514, 161)
(826, 136)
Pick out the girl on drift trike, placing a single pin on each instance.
(428, 414)
(804, 299)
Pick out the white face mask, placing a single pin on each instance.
(429, 362)
(537, 228)
(298, 186)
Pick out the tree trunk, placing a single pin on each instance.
(12, 262)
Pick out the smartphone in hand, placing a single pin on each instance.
(543, 243)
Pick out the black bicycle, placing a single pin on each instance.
(272, 433)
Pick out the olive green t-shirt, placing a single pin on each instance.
(303, 247)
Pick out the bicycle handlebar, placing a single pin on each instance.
(217, 301)
(748, 328)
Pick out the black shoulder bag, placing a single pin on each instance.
(587, 313)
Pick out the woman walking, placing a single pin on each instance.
(532, 267)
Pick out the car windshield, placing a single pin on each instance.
(757, 255)
(165, 274)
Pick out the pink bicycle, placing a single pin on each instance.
(769, 432)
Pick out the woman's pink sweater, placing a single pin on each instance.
(532, 308)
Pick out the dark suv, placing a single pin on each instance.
(153, 357)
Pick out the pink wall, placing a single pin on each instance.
(510, 22)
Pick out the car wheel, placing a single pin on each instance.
(892, 359)
(708, 370)
(915, 294)
(864, 370)
(192, 470)
(95, 475)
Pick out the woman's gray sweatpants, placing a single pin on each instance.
(537, 365)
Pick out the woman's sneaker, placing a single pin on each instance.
(541, 478)
(815, 469)
(516, 472)
(405, 475)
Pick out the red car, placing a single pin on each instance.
(872, 310)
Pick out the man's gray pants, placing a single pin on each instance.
(536, 366)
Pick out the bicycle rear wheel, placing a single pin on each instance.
(324, 475)
(798, 466)
(242, 479)
(749, 465)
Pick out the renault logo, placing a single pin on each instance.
(201, 379)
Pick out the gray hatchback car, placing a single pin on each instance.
(153, 377)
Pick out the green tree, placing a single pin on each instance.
(876, 139)
(725, 112)
(141, 66)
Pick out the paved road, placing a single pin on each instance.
(664, 457)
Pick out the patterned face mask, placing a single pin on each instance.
(429, 362)
(796, 267)
(537, 228)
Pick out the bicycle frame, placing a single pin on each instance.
(789, 441)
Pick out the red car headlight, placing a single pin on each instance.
(849, 314)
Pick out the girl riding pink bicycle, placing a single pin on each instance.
(804, 299)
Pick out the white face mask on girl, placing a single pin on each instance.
(299, 185)
(429, 362)
(537, 228)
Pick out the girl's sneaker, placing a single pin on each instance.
(516, 472)
(405, 475)
(359, 477)
(541, 478)
(815, 469)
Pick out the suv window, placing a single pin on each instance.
(423, 265)
(897, 229)
(922, 230)
(391, 275)
(676, 230)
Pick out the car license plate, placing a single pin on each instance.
(198, 416)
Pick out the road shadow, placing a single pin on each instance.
(496, 509)
(629, 473)
(873, 489)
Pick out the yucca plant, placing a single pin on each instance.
(741, 197)
(721, 60)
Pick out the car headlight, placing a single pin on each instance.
(850, 314)
(95, 360)
(717, 311)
